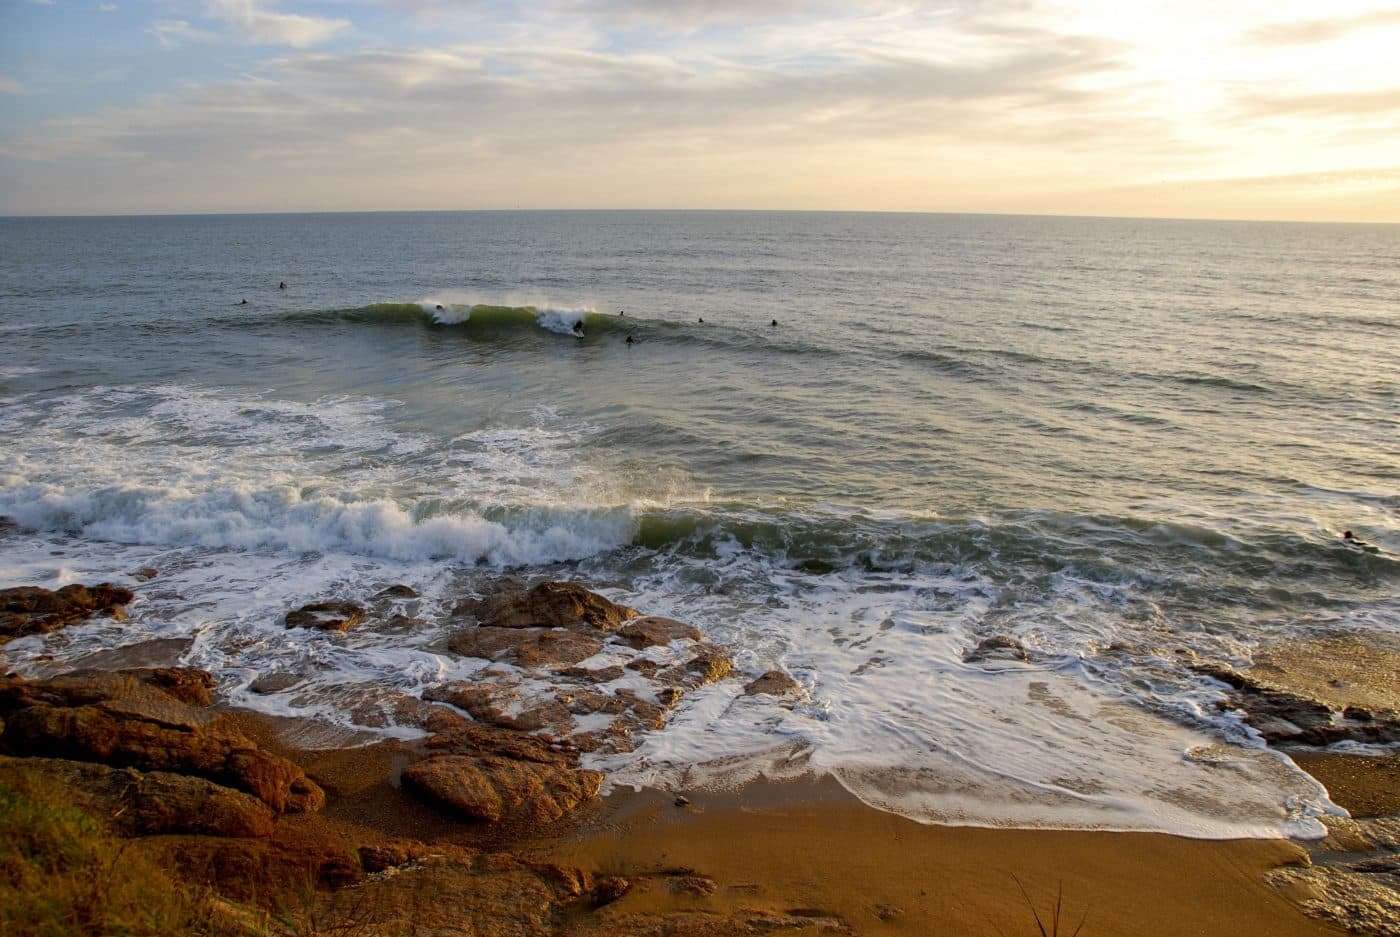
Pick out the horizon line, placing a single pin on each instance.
(235, 213)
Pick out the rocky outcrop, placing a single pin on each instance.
(1284, 716)
(27, 610)
(650, 631)
(997, 647)
(491, 788)
(550, 605)
(528, 647)
(140, 720)
(327, 616)
(149, 803)
(773, 683)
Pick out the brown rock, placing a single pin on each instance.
(710, 666)
(145, 573)
(491, 788)
(997, 647)
(557, 649)
(554, 605)
(609, 890)
(649, 631)
(327, 616)
(529, 647)
(274, 682)
(151, 803)
(397, 592)
(1287, 717)
(122, 721)
(497, 705)
(26, 610)
(588, 675)
(773, 683)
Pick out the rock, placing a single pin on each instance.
(609, 890)
(649, 631)
(274, 682)
(682, 800)
(600, 675)
(491, 788)
(327, 616)
(501, 706)
(151, 803)
(554, 605)
(397, 592)
(710, 666)
(1285, 717)
(557, 649)
(121, 720)
(773, 683)
(528, 647)
(997, 647)
(26, 610)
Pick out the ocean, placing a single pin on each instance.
(850, 446)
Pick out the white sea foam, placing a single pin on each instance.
(250, 506)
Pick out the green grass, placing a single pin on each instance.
(62, 873)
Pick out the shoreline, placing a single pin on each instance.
(808, 847)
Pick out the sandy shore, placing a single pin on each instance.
(810, 846)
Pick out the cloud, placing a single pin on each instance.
(255, 24)
(107, 8)
(171, 34)
(1383, 103)
(1307, 32)
(10, 86)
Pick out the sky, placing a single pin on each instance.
(1255, 109)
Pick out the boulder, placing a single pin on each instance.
(327, 616)
(997, 647)
(397, 592)
(150, 803)
(651, 630)
(27, 610)
(552, 605)
(528, 647)
(501, 706)
(1287, 717)
(773, 683)
(491, 788)
(121, 720)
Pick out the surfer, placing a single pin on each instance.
(578, 328)
(622, 312)
(1351, 539)
(774, 323)
(702, 320)
(245, 301)
(631, 341)
(282, 285)
(439, 307)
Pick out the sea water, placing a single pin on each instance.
(1127, 444)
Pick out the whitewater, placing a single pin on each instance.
(1130, 446)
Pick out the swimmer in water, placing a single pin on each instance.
(631, 341)
(621, 312)
(439, 308)
(702, 320)
(774, 323)
(244, 303)
(282, 285)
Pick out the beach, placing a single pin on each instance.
(1014, 541)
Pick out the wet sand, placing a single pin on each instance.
(809, 846)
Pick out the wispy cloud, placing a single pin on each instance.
(254, 23)
(107, 8)
(1304, 32)
(10, 86)
(172, 34)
